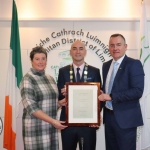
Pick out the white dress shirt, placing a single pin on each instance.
(80, 71)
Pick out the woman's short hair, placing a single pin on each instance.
(37, 49)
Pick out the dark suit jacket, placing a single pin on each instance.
(64, 76)
(126, 91)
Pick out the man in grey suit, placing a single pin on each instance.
(123, 84)
(72, 135)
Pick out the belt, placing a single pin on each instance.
(110, 111)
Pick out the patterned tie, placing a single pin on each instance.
(109, 103)
(78, 75)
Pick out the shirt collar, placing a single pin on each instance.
(81, 67)
(119, 60)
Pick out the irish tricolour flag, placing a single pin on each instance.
(14, 77)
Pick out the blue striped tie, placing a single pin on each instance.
(109, 103)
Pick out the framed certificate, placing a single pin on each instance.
(83, 106)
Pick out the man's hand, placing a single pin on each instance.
(104, 97)
(62, 102)
(96, 126)
(63, 91)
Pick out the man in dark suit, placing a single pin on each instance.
(72, 135)
(120, 97)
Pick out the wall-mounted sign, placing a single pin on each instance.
(57, 45)
(1, 126)
(92, 42)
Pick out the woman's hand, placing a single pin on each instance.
(59, 124)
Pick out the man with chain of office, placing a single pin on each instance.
(78, 71)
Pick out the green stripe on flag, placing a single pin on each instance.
(15, 45)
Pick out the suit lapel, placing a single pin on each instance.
(106, 69)
(74, 77)
(82, 78)
(120, 69)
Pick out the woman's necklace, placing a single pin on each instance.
(85, 71)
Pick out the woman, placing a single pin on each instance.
(39, 96)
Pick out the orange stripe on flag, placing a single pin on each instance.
(9, 135)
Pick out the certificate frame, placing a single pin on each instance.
(82, 104)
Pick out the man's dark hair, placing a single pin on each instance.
(117, 34)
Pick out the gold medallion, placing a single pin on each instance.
(85, 72)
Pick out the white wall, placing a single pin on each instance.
(38, 19)
(100, 9)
